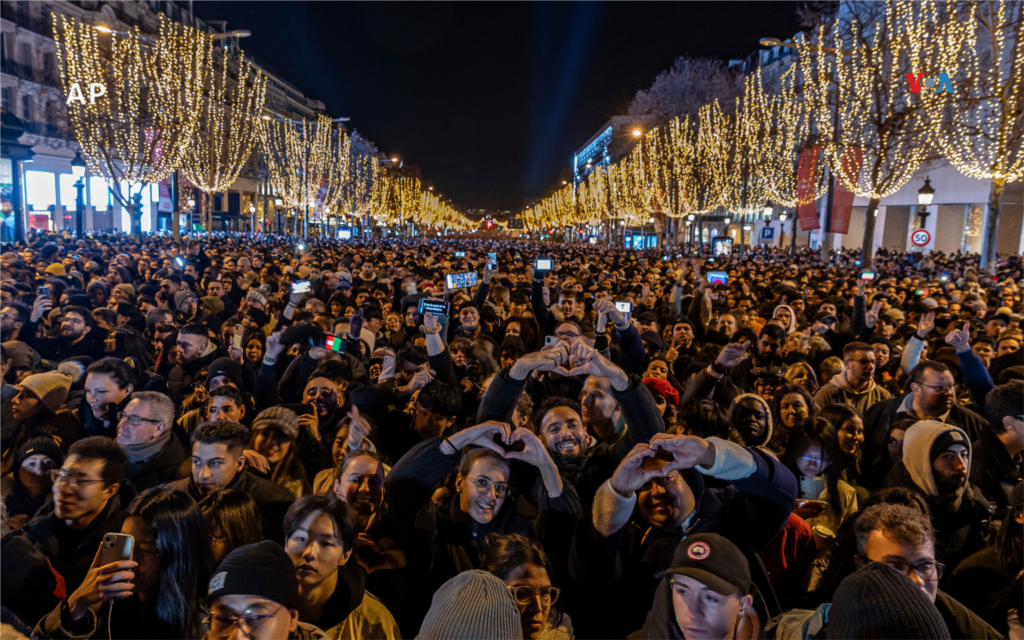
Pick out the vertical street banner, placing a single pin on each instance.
(806, 168)
(843, 201)
(165, 198)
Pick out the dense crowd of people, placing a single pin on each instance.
(262, 437)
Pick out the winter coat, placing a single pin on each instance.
(58, 349)
(961, 621)
(599, 460)
(616, 552)
(961, 520)
(878, 420)
(351, 612)
(981, 583)
(71, 551)
(271, 499)
(441, 540)
(160, 469)
(132, 619)
(994, 471)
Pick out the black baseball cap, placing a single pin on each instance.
(712, 560)
(824, 316)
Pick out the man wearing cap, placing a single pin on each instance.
(936, 465)
(704, 595)
(657, 497)
(255, 592)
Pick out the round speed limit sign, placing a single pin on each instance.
(920, 238)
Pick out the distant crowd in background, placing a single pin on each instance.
(240, 436)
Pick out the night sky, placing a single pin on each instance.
(489, 99)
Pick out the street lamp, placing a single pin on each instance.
(278, 202)
(78, 171)
(925, 195)
(637, 133)
(726, 220)
(767, 212)
(782, 217)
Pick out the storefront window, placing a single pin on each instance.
(99, 196)
(68, 193)
(40, 189)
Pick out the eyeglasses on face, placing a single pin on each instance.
(484, 484)
(937, 388)
(929, 570)
(61, 476)
(819, 461)
(220, 622)
(566, 335)
(133, 419)
(525, 595)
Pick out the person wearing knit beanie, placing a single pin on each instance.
(229, 372)
(279, 418)
(181, 297)
(472, 605)
(880, 602)
(56, 269)
(41, 391)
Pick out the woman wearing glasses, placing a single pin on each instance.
(159, 593)
(524, 567)
(447, 538)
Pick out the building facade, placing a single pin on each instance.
(30, 88)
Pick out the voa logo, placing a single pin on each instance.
(942, 80)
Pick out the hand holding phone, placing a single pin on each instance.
(236, 341)
(109, 577)
(302, 286)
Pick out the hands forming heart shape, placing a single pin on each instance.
(575, 360)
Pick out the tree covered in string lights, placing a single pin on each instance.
(863, 58)
(137, 131)
(980, 127)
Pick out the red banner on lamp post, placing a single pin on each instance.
(806, 168)
(843, 201)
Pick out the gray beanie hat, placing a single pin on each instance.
(181, 297)
(284, 420)
(474, 605)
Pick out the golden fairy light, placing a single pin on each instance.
(232, 101)
(136, 131)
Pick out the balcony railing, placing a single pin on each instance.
(18, 13)
(27, 72)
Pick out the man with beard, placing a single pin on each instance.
(932, 397)
(656, 497)
(582, 459)
(12, 317)
(936, 465)
(767, 357)
(74, 339)
(855, 386)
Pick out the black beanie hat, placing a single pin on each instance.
(262, 569)
(880, 602)
(40, 446)
(225, 367)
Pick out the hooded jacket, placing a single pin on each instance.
(792, 317)
(961, 520)
(840, 391)
(271, 499)
(767, 435)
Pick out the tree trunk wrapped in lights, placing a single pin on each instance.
(864, 58)
(136, 131)
(980, 126)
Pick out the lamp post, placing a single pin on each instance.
(925, 195)
(78, 171)
(277, 214)
(191, 212)
(252, 217)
